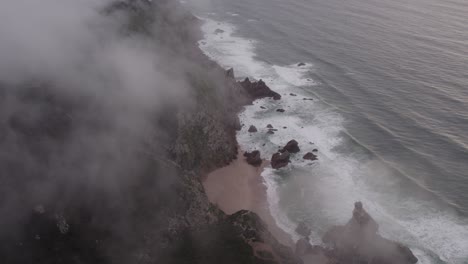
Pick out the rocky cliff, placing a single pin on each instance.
(86, 179)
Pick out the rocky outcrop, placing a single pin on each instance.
(303, 229)
(279, 160)
(252, 129)
(292, 147)
(258, 90)
(230, 73)
(359, 242)
(253, 158)
(310, 156)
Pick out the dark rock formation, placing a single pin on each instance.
(293, 94)
(303, 229)
(269, 126)
(253, 158)
(279, 160)
(218, 31)
(271, 130)
(292, 147)
(230, 73)
(258, 90)
(359, 241)
(301, 64)
(281, 110)
(310, 156)
(252, 129)
(315, 150)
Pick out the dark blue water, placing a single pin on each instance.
(397, 72)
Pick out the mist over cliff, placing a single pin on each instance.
(78, 96)
(106, 108)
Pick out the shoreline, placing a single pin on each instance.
(240, 186)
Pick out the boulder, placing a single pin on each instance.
(310, 156)
(269, 126)
(359, 240)
(292, 147)
(218, 31)
(279, 160)
(253, 158)
(252, 129)
(259, 90)
(292, 94)
(303, 229)
(301, 64)
(281, 110)
(315, 150)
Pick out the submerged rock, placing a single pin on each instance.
(252, 129)
(218, 31)
(279, 160)
(292, 147)
(253, 158)
(310, 156)
(359, 241)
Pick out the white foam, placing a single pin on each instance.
(336, 180)
(294, 74)
(282, 221)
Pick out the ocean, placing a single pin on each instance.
(389, 115)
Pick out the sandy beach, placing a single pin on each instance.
(240, 186)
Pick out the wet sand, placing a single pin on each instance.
(240, 186)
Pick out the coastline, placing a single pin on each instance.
(240, 186)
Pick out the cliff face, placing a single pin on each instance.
(88, 179)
